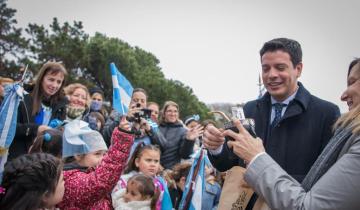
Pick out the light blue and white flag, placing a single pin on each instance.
(8, 119)
(122, 91)
(198, 185)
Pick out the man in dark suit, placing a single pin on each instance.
(294, 125)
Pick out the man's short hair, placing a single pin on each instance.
(287, 45)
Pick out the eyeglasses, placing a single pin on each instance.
(171, 111)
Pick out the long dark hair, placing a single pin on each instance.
(38, 94)
(139, 150)
(26, 180)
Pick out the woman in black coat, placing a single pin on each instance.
(45, 102)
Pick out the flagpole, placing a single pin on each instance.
(193, 182)
(24, 74)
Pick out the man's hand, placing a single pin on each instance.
(213, 138)
(244, 145)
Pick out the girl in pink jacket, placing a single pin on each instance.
(93, 173)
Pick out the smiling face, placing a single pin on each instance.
(78, 98)
(279, 75)
(51, 83)
(171, 114)
(149, 162)
(352, 93)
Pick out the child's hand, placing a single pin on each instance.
(124, 124)
(195, 132)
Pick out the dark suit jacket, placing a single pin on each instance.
(297, 140)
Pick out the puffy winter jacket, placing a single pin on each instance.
(174, 145)
(91, 188)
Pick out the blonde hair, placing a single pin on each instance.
(352, 119)
(70, 89)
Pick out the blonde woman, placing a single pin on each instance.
(79, 98)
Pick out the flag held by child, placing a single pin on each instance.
(195, 183)
(122, 91)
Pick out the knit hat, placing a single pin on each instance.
(79, 138)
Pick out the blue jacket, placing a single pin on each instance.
(211, 196)
(297, 140)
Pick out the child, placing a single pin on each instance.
(146, 160)
(178, 176)
(93, 172)
(96, 121)
(140, 194)
(212, 191)
(32, 181)
(49, 141)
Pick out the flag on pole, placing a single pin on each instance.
(8, 119)
(122, 91)
(195, 183)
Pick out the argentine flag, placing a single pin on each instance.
(198, 185)
(8, 119)
(122, 91)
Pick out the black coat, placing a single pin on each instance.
(297, 140)
(26, 128)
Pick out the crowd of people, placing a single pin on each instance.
(70, 151)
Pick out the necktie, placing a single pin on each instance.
(278, 109)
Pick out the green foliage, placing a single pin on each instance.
(88, 59)
(142, 70)
(65, 43)
(12, 44)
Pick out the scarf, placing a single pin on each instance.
(74, 112)
(327, 158)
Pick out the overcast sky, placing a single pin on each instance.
(213, 46)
